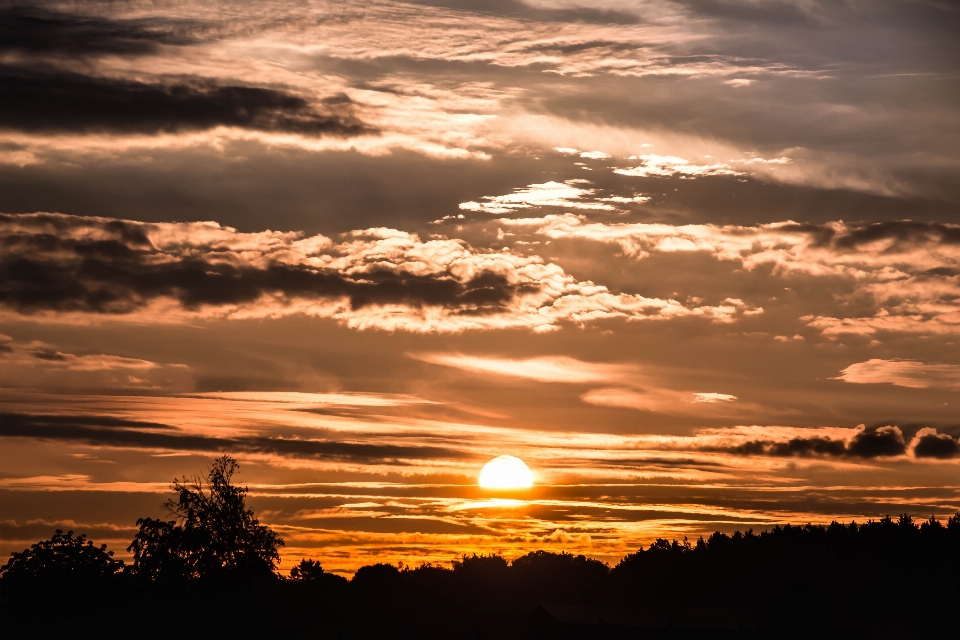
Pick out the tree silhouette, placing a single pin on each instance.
(45, 589)
(307, 571)
(62, 558)
(213, 533)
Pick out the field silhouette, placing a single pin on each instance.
(211, 569)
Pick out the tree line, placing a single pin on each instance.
(212, 568)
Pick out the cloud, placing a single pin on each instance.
(541, 369)
(833, 248)
(929, 444)
(644, 394)
(883, 442)
(33, 103)
(41, 353)
(39, 364)
(713, 397)
(625, 200)
(547, 194)
(130, 434)
(621, 398)
(39, 30)
(903, 373)
(634, 389)
(910, 270)
(296, 398)
(376, 279)
(665, 166)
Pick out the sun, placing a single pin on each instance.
(506, 472)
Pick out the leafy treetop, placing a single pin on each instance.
(62, 558)
(213, 532)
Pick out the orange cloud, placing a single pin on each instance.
(293, 397)
(375, 279)
(909, 269)
(39, 364)
(541, 369)
(903, 373)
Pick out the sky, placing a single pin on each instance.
(696, 262)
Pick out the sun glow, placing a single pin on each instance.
(506, 472)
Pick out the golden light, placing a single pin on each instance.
(506, 472)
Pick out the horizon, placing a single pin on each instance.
(695, 264)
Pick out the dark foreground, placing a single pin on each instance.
(890, 578)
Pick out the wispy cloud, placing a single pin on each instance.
(43, 354)
(648, 396)
(549, 194)
(541, 369)
(627, 386)
(37, 363)
(713, 397)
(104, 431)
(903, 373)
(298, 398)
(665, 166)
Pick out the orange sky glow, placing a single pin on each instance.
(698, 274)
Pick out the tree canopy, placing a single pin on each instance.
(213, 532)
(61, 558)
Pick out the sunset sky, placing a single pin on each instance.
(696, 262)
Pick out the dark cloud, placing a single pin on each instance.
(901, 232)
(43, 272)
(36, 30)
(36, 101)
(885, 441)
(811, 446)
(16, 423)
(48, 354)
(936, 445)
(882, 442)
(576, 47)
(113, 432)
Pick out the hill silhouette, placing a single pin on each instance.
(211, 569)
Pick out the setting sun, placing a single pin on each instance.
(506, 472)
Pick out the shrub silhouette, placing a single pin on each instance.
(213, 533)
